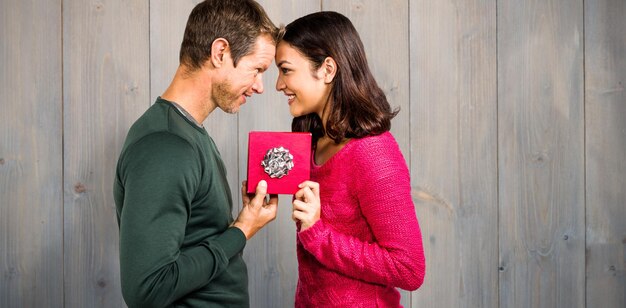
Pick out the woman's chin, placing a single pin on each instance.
(295, 113)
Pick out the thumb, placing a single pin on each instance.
(261, 191)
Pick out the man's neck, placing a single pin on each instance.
(191, 92)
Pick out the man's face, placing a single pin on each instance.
(245, 79)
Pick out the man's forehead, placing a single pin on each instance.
(264, 50)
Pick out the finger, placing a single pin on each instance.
(261, 191)
(244, 192)
(272, 208)
(308, 194)
(298, 216)
(300, 206)
(299, 194)
(314, 186)
(305, 194)
(273, 200)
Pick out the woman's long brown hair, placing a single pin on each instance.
(357, 105)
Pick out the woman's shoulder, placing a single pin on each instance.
(375, 145)
(379, 151)
(376, 158)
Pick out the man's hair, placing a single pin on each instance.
(240, 22)
(357, 106)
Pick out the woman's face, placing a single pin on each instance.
(305, 87)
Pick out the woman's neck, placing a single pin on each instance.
(326, 148)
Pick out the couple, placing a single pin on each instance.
(358, 236)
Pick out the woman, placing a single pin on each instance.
(358, 236)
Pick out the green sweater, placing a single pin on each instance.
(174, 211)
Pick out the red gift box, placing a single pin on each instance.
(282, 159)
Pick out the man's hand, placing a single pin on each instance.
(256, 212)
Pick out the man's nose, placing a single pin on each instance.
(257, 86)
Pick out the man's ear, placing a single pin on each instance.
(329, 69)
(219, 48)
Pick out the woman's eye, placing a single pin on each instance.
(284, 70)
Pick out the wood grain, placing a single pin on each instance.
(605, 118)
(106, 88)
(541, 154)
(31, 218)
(454, 150)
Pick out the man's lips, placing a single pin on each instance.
(245, 97)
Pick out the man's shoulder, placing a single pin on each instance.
(152, 120)
(162, 119)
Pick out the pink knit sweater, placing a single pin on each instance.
(368, 240)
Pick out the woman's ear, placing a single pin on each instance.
(219, 48)
(329, 67)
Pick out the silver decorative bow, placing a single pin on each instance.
(277, 162)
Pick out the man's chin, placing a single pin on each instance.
(231, 109)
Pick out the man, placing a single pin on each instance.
(179, 245)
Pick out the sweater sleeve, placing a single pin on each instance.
(382, 187)
(161, 173)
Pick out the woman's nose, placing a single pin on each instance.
(280, 85)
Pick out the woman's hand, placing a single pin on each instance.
(306, 204)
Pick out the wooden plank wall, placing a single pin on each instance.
(605, 138)
(31, 155)
(512, 124)
(106, 88)
(453, 150)
(541, 153)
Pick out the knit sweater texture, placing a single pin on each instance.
(367, 241)
(174, 211)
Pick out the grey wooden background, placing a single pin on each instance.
(513, 124)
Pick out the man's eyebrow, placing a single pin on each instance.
(261, 66)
